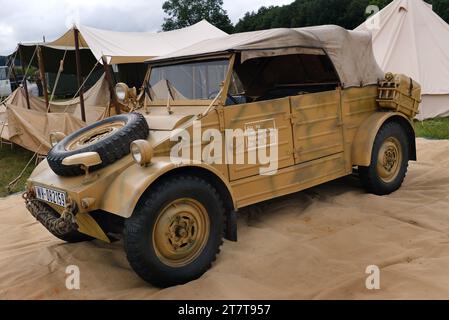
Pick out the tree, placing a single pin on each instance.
(301, 13)
(184, 13)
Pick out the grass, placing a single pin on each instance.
(433, 128)
(12, 163)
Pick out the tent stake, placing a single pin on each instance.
(108, 76)
(40, 60)
(78, 73)
(24, 81)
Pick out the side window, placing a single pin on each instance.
(3, 74)
(268, 78)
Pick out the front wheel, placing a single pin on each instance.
(175, 232)
(389, 161)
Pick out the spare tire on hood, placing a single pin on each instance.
(110, 138)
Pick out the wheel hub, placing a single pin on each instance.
(94, 135)
(389, 160)
(181, 232)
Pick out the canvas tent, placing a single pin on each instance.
(31, 128)
(136, 47)
(350, 51)
(409, 38)
(120, 47)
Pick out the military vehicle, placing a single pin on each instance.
(319, 90)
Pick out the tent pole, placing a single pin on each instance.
(42, 75)
(25, 85)
(108, 76)
(79, 75)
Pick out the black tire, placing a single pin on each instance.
(138, 232)
(370, 176)
(111, 147)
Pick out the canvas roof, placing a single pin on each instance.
(413, 40)
(350, 51)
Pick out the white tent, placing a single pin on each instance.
(136, 47)
(409, 38)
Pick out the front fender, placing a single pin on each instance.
(124, 193)
(362, 145)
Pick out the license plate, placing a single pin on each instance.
(51, 196)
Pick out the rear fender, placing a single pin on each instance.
(362, 145)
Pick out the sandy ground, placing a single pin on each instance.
(314, 244)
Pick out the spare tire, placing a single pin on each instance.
(110, 138)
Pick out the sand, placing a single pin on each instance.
(314, 244)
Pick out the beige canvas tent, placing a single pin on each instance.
(409, 38)
(31, 128)
(136, 47)
(119, 47)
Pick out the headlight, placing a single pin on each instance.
(56, 137)
(122, 92)
(142, 152)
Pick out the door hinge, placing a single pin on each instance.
(293, 117)
(221, 119)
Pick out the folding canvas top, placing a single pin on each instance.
(351, 52)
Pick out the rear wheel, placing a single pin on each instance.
(175, 232)
(389, 161)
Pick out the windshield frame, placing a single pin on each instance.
(194, 102)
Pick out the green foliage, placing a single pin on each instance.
(12, 163)
(183, 13)
(301, 13)
(433, 129)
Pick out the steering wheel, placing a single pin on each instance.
(213, 94)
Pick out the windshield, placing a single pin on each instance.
(3, 74)
(189, 81)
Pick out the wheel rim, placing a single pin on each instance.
(389, 160)
(181, 232)
(94, 135)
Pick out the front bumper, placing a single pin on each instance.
(58, 224)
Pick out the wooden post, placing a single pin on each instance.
(25, 85)
(108, 76)
(79, 75)
(40, 60)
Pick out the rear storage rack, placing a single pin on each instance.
(399, 93)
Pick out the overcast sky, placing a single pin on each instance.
(29, 21)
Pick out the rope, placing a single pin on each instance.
(82, 85)
(29, 64)
(61, 68)
(14, 182)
